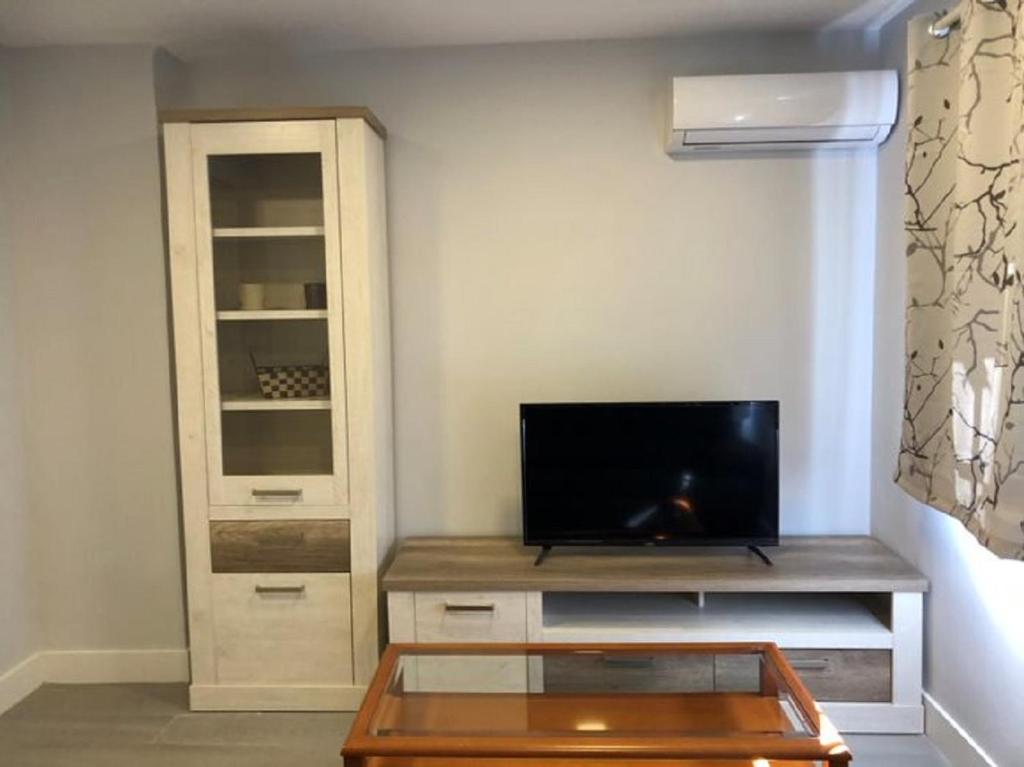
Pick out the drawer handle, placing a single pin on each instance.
(300, 589)
(627, 662)
(809, 665)
(450, 607)
(276, 495)
(295, 539)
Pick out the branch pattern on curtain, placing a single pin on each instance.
(962, 446)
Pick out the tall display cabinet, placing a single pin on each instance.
(279, 280)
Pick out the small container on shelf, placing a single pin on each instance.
(256, 296)
(292, 381)
(250, 296)
(316, 295)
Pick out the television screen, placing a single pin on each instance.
(680, 473)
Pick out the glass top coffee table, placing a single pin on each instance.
(498, 705)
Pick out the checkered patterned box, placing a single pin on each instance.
(291, 381)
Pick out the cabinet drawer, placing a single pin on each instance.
(286, 546)
(863, 676)
(471, 674)
(282, 629)
(276, 491)
(470, 617)
(587, 673)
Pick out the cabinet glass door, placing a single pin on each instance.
(269, 273)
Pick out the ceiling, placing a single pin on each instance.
(193, 28)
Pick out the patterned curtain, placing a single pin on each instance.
(962, 448)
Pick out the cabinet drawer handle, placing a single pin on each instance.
(809, 665)
(300, 589)
(450, 607)
(611, 662)
(295, 539)
(276, 495)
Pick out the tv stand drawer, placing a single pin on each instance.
(497, 616)
(862, 676)
(642, 672)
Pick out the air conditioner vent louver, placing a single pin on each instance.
(764, 112)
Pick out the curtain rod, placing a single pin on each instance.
(943, 26)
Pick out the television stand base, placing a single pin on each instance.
(757, 550)
(544, 551)
(760, 553)
(829, 600)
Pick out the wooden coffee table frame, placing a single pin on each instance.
(823, 743)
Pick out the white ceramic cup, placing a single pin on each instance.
(250, 295)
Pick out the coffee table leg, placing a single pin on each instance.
(354, 761)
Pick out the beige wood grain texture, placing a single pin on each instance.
(815, 564)
(908, 650)
(401, 617)
(470, 617)
(353, 208)
(368, 381)
(288, 546)
(258, 512)
(262, 114)
(189, 394)
(301, 638)
(534, 616)
(471, 674)
(266, 138)
(266, 232)
(236, 315)
(380, 327)
(335, 309)
(845, 675)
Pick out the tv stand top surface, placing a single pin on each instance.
(825, 564)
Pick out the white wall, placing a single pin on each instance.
(17, 622)
(974, 615)
(544, 247)
(87, 254)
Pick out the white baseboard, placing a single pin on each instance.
(91, 667)
(951, 739)
(102, 666)
(20, 681)
(865, 718)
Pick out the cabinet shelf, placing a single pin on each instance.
(272, 314)
(256, 402)
(266, 232)
(789, 620)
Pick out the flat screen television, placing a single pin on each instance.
(656, 474)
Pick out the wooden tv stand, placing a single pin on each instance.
(846, 610)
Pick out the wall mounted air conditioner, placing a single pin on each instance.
(828, 110)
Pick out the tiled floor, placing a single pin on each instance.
(150, 726)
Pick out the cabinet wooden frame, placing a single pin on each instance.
(360, 488)
(270, 138)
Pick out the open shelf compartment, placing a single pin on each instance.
(275, 443)
(792, 620)
(266, 190)
(281, 268)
